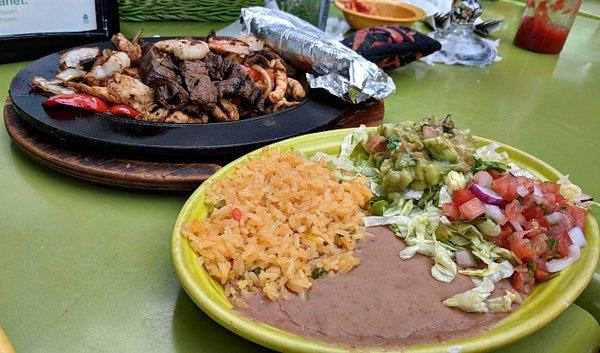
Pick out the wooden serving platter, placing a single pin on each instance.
(123, 172)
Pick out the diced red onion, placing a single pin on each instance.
(516, 226)
(522, 190)
(555, 217)
(583, 198)
(577, 237)
(486, 195)
(560, 264)
(483, 178)
(464, 258)
(496, 213)
(538, 197)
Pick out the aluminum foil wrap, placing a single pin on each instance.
(328, 63)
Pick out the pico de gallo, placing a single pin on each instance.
(470, 210)
(529, 217)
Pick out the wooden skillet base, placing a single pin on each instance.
(138, 174)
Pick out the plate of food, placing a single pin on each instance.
(412, 237)
(171, 96)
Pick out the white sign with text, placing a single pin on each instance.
(45, 16)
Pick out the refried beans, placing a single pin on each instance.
(383, 302)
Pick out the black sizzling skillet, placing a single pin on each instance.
(158, 140)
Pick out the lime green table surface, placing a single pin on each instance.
(85, 268)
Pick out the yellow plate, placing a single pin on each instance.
(545, 303)
(395, 13)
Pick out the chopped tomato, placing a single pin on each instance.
(521, 247)
(538, 241)
(506, 186)
(500, 241)
(550, 187)
(541, 272)
(523, 279)
(535, 212)
(578, 215)
(564, 241)
(513, 212)
(375, 144)
(450, 210)
(495, 174)
(471, 209)
(462, 196)
(236, 214)
(505, 231)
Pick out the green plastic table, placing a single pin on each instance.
(85, 268)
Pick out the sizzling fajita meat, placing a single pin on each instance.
(181, 80)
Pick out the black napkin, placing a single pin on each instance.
(391, 46)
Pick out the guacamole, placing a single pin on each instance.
(417, 156)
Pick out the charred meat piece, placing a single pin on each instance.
(195, 75)
(159, 72)
(244, 88)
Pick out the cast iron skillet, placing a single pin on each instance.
(125, 136)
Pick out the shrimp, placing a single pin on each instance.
(226, 45)
(115, 64)
(295, 89)
(132, 49)
(282, 104)
(281, 83)
(254, 44)
(53, 86)
(73, 58)
(183, 49)
(183, 118)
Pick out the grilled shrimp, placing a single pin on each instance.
(132, 49)
(183, 49)
(73, 58)
(224, 46)
(281, 83)
(132, 92)
(53, 86)
(295, 89)
(282, 104)
(254, 44)
(116, 63)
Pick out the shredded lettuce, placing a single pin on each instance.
(504, 303)
(476, 300)
(473, 300)
(569, 190)
(488, 153)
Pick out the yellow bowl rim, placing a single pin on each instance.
(280, 340)
(419, 13)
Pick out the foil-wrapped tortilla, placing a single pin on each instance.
(330, 65)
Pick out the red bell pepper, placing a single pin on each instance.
(123, 110)
(82, 101)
